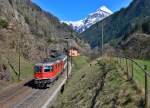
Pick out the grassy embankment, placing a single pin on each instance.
(99, 85)
(26, 68)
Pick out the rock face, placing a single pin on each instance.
(82, 25)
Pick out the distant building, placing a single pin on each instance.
(73, 52)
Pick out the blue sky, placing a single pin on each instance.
(72, 10)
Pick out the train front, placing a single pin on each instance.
(49, 70)
(42, 74)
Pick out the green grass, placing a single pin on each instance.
(144, 62)
(26, 66)
(27, 70)
(3, 23)
(80, 85)
(84, 84)
(138, 73)
(80, 61)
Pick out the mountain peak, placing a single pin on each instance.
(91, 19)
(105, 9)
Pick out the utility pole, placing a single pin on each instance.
(102, 36)
(67, 58)
(19, 57)
(71, 50)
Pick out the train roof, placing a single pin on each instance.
(52, 60)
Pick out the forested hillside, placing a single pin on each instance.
(121, 25)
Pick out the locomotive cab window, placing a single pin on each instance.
(37, 69)
(48, 68)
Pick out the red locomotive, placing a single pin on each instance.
(49, 70)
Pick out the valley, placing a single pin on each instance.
(101, 60)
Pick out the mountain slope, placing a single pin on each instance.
(91, 19)
(30, 24)
(119, 24)
(26, 28)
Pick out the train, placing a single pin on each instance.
(49, 70)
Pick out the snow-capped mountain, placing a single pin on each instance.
(92, 18)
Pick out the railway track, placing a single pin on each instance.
(24, 96)
(38, 97)
(13, 95)
(26, 103)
